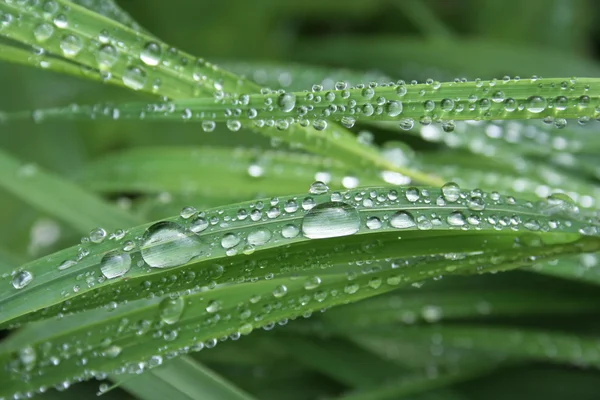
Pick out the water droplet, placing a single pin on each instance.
(476, 203)
(290, 231)
(134, 78)
(43, 31)
(167, 244)
(213, 306)
(151, 54)
(535, 104)
(259, 237)
(412, 194)
(187, 212)
(451, 192)
(198, 225)
(331, 219)
(456, 219)
(402, 220)
(22, 279)
(286, 102)
(97, 235)
(406, 124)
(115, 264)
(171, 310)
(318, 187)
(373, 223)
(393, 108)
(312, 283)
(71, 45)
(280, 291)
(106, 56)
(230, 240)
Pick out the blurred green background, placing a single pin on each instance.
(401, 39)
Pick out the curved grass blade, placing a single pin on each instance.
(28, 57)
(556, 98)
(141, 334)
(220, 243)
(142, 63)
(514, 343)
(110, 9)
(421, 15)
(414, 57)
(242, 173)
(181, 378)
(62, 199)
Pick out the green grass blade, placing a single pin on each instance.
(181, 378)
(421, 15)
(243, 173)
(556, 98)
(164, 72)
(65, 200)
(375, 213)
(110, 9)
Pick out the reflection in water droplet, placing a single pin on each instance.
(22, 279)
(115, 264)
(402, 220)
(331, 219)
(171, 309)
(167, 244)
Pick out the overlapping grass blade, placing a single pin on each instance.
(242, 173)
(556, 98)
(60, 198)
(181, 378)
(231, 237)
(163, 70)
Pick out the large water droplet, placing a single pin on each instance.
(402, 220)
(318, 187)
(115, 264)
(259, 237)
(22, 279)
(331, 219)
(171, 309)
(535, 104)
(286, 102)
(451, 192)
(167, 244)
(43, 31)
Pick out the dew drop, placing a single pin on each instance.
(535, 104)
(280, 291)
(43, 31)
(456, 219)
(259, 237)
(286, 102)
(451, 192)
(71, 45)
(312, 283)
(213, 306)
(290, 231)
(97, 235)
(115, 264)
(402, 220)
(230, 240)
(134, 78)
(170, 310)
(373, 223)
(167, 244)
(393, 108)
(318, 187)
(22, 279)
(151, 54)
(331, 219)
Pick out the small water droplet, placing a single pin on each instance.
(213, 306)
(97, 235)
(451, 192)
(259, 237)
(134, 77)
(535, 104)
(286, 102)
(280, 291)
